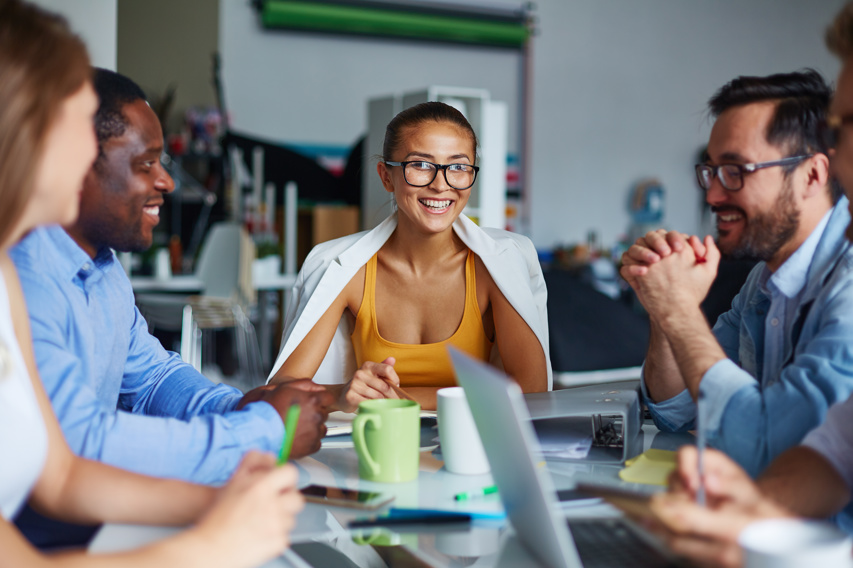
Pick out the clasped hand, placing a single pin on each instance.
(670, 270)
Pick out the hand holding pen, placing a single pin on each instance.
(290, 425)
(724, 481)
(314, 401)
(371, 381)
(701, 425)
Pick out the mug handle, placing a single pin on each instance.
(358, 425)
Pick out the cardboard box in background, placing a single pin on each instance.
(322, 223)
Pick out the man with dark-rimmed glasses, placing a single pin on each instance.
(783, 354)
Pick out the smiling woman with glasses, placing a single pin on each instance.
(421, 174)
(377, 310)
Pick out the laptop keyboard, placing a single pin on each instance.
(606, 543)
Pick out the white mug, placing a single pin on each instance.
(794, 543)
(461, 447)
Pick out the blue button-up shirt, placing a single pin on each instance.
(789, 343)
(119, 396)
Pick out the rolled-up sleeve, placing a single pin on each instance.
(175, 430)
(678, 414)
(169, 421)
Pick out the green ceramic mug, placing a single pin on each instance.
(386, 434)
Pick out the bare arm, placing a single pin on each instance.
(661, 373)
(250, 524)
(373, 380)
(694, 346)
(519, 348)
(804, 482)
(305, 360)
(671, 291)
(83, 491)
(255, 511)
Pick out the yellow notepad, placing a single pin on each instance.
(652, 467)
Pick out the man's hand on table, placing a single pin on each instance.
(314, 401)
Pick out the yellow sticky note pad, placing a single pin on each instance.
(652, 467)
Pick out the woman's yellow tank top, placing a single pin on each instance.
(424, 365)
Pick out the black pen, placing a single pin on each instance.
(426, 519)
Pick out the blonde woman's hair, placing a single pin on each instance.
(41, 64)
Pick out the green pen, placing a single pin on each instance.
(289, 433)
(476, 493)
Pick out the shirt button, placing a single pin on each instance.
(87, 266)
(774, 322)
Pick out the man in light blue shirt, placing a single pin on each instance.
(119, 396)
(783, 354)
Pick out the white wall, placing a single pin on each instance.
(620, 93)
(314, 88)
(95, 22)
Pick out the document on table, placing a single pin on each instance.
(558, 440)
(340, 423)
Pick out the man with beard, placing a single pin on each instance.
(119, 396)
(783, 354)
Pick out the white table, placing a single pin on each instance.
(484, 543)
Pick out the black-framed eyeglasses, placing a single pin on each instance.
(731, 175)
(419, 173)
(831, 128)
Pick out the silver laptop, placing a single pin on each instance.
(527, 492)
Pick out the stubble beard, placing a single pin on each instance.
(766, 233)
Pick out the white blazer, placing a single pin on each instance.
(510, 259)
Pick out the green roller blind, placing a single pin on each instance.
(325, 17)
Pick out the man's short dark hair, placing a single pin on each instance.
(114, 91)
(802, 103)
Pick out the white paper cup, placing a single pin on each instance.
(461, 447)
(793, 543)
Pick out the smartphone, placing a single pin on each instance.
(340, 497)
(575, 498)
(634, 503)
(321, 555)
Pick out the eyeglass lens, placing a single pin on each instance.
(730, 175)
(458, 176)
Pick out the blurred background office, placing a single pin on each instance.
(605, 110)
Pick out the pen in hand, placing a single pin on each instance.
(290, 421)
(700, 447)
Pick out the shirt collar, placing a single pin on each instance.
(72, 260)
(792, 276)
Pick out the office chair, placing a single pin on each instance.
(224, 266)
